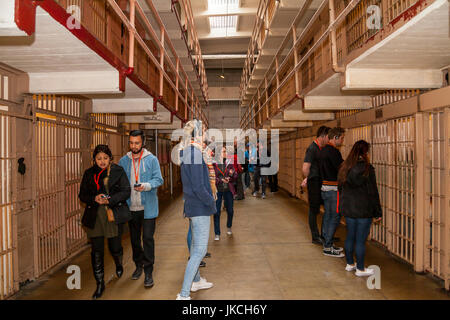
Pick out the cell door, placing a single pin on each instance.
(8, 226)
(50, 238)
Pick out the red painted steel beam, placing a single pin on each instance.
(406, 15)
(59, 14)
(174, 2)
(25, 17)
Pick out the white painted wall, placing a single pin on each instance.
(8, 26)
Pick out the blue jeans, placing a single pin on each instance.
(247, 179)
(200, 235)
(358, 230)
(189, 236)
(330, 218)
(228, 199)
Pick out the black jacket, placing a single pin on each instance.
(358, 197)
(330, 159)
(119, 191)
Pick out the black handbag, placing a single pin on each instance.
(122, 213)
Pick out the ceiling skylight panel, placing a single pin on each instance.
(223, 22)
(231, 4)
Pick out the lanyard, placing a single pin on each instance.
(136, 175)
(221, 171)
(317, 144)
(226, 165)
(96, 179)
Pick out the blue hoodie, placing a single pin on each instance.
(150, 177)
(198, 197)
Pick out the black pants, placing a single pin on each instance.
(315, 200)
(240, 187)
(273, 183)
(142, 256)
(114, 245)
(247, 179)
(256, 177)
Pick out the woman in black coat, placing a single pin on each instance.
(104, 189)
(359, 203)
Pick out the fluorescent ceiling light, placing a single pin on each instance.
(223, 22)
(232, 4)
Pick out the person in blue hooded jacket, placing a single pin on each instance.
(199, 205)
(144, 173)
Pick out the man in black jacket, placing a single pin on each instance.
(330, 159)
(313, 181)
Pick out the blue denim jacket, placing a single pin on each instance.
(198, 198)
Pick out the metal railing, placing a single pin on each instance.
(123, 27)
(319, 51)
(264, 14)
(192, 42)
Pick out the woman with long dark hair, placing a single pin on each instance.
(359, 203)
(104, 189)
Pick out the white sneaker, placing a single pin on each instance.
(350, 267)
(182, 298)
(217, 237)
(229, 232)
(365, 273)
(202, 284)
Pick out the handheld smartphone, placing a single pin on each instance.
(105, 196)
(137, 185)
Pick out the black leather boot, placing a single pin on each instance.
(138, 272)
(99, 273)
(119, 265)
(148, 281)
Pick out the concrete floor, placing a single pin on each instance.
(269, 256)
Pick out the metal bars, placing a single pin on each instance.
(55, 143)
(357, 31)
(74, 149)
(391, 96)
(312, 50)
(4, 87)
(50, 231)
(106, 132)
(382, 154)
(393, 8)
(437, 201)
(393, 154)
(7, 228)
(64, 141)
(404, 212)
(194, 44)
(133, 39)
